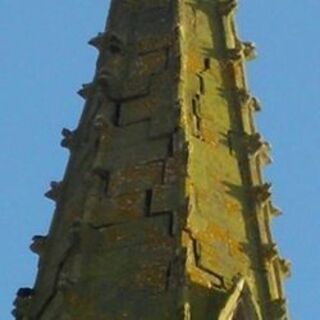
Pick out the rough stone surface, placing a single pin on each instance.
(163, 212)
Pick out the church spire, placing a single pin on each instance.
(163, 212)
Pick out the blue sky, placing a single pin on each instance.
(44, 60)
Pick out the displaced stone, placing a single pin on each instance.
(165, 198)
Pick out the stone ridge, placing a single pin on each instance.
(163, 212)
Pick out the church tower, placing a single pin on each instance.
(163, 212)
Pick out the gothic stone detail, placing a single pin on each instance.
(159, 208)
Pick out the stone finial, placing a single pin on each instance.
(68, 138)
(246, 100)
(227, 7)
(38, 244)
(255, 104)
(85, 90)
(97, 41)
(276, 212)
(23, 303)
(278, 309)
(243, 96)
(253, 142)
(264, 154)
(285, 267)
(249, 50)
(234, 54)
(242, 50)
(270, 252)
(262, 192)
(54, 192)
(256, 147)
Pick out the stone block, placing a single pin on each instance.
(121, 209)
(136, 110)
(164, 120)
(166, 198)
(151, 63)
(140, 153)
(123, 137)
(135, 178)
(154, 42)
(118, 252)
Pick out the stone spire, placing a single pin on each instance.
(163, 212)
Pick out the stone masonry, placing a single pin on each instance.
(163, 213)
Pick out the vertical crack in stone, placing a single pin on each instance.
(148, 202)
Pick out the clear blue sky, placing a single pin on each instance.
(43, 61)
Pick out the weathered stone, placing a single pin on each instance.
(165, 198)
(119, 209)
(23, 304)
(136, 110)
(163, 204)
(140, 153)
(135, 178)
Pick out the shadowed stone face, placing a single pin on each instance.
(133, 51)
(113, 66)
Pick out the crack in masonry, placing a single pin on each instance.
(196, 256)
